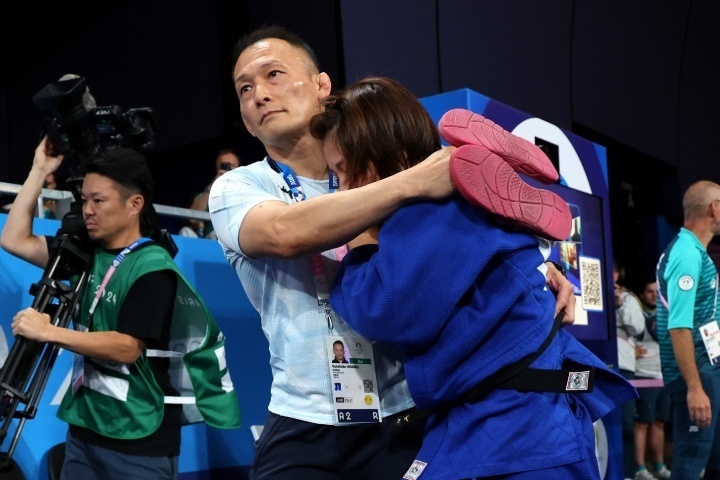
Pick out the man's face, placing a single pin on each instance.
(277, 90)
(715, 207)
(227, 159)
(649, 295)
(339, 352)
(108, 210)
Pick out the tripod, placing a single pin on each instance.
(24, 375)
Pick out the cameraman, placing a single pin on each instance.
(119, 426)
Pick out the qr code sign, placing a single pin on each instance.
(591, 283)
(368, 386)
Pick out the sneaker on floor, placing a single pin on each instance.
(663, 473)
(644, 474)
(488, 182)
(463, 127)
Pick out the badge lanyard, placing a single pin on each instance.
(119, 258)
(317, 265)
(78, 367)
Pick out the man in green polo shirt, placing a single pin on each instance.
(689, 337)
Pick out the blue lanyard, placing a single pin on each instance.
(293, 182)
(316, 262)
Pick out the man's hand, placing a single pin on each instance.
(640, 351)
(434, 174)
(31, 324)
(565, 295)
(699, 407)
(43, 159)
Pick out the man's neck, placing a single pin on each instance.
(304, 157)
(121, 241)
(702, 231)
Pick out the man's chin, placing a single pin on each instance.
(93, 235)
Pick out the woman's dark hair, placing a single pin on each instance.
(376, 121)
(128, 168)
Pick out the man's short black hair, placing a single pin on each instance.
(274, 31)
(128, 168)
(647, 279)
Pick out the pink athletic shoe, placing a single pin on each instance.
(463, 127)
(488, 182)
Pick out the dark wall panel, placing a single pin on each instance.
(516, 52)
(142, 55)
(626, 63)
(316, 21)
(699, 101)
(392, 38)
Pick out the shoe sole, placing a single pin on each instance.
(488, 182)
(463, 127)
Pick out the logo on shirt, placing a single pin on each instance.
(686, 282)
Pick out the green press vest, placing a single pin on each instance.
(124, 400)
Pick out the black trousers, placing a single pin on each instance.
(290, 449)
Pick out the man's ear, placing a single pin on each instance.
(324, 85)
(137, 202)
(715, 209)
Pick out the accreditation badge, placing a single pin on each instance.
(352, 379)
(710, 334)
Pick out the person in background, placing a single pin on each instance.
(630, 323)
(461, 320)
(192, 227)
(688, 335)
(50, 206)
(225, 161)
(652, 409)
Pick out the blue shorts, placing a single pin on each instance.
(653, 404)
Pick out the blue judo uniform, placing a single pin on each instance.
(462, 297)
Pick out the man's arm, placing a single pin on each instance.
(17, 237)
(698, 401)
(276, 229)
(113, 346)
(630, 315)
